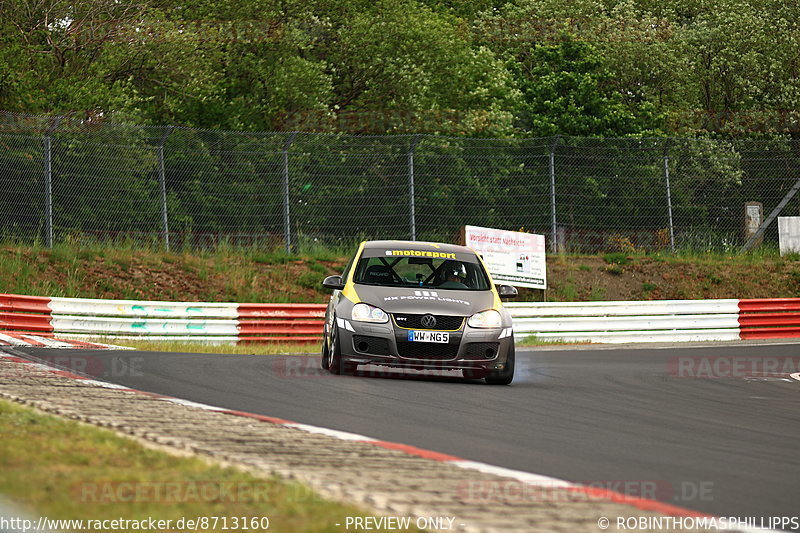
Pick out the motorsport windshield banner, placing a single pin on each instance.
(512, 257)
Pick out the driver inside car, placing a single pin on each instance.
(455, 276)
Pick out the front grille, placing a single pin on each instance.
(427, 350)
(482, 350)
(371, 345)
(443, 322)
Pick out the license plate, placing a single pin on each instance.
(428, 336)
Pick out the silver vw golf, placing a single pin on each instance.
(418, 305)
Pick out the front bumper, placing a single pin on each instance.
(387, 345)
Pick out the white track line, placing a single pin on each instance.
(341, 435)
(189, 403)
(8, 338)
(106, 385)
(50, 343)
(13, 341)
(525, 477)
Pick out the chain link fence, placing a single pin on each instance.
(66, 180)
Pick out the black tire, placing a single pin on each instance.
(335, 363)
(325, 361)
(505, 376)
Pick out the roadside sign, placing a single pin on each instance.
(512, 257)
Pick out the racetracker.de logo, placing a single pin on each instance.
(309, 367)
(732, 366)
(89, 366)
(176, 492)
(512, 491)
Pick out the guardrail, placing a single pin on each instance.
(195, 321)
(601, 322)
(657, 320)
(769, 318)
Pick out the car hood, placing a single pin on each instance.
(419, 301)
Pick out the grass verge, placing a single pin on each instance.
(63, 469)
(198, 347)
(533, 340)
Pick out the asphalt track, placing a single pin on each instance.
(726, 445)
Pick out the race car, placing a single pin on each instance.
(419, 305)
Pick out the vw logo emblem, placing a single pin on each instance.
(428, 321)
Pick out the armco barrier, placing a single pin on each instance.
(618, 322)
(602, 322)
(200, 321)
(658, 320)
(769, 318)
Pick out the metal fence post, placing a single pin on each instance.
(772, 216)
(162, 183)
(669, 197)
(287, 228)
(411, 195)
(48, 179)
(553, 220)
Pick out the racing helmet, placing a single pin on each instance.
(456, 269)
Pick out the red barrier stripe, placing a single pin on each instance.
(29, 304)
(48, 334)
(769, 319)
(770, 304)
(281, 331)
(22, 321)
(281, 313)
(255, 326)
(282, 306)
(282, 310)
(257, 322)
(770, 333)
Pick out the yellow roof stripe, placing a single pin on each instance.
(349, 290)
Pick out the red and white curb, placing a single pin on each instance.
(30, 340)
(537, 480)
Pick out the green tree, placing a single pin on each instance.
(567, 90)
(415, 67)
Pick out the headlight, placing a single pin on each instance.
(368, 313)
(485, 319)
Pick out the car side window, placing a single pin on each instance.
(346, 271)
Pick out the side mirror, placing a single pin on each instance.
(333, 282)
(507, 291)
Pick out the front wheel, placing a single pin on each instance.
(335, 363)
(325, 361)
(505, 376)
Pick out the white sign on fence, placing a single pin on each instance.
(789, 234)
(512, 257)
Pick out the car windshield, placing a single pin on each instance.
(429, 272)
